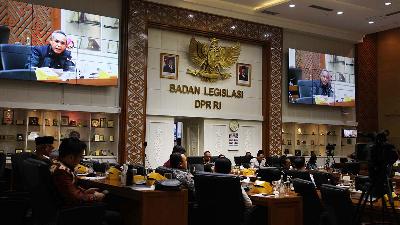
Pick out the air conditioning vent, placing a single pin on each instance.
(321, 8)
(393, 13)
(269, 12)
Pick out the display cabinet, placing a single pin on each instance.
(20, 127)
(302, 139)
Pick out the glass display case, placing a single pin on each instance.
(20, 127)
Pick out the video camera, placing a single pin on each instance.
(381, 156)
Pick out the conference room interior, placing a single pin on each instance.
(199, 112)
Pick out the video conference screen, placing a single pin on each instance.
(55, 45)
(321, 79)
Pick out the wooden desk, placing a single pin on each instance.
(286, 210)
(145, 207)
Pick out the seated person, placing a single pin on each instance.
(285, 163)
(207, 157)
(208, 164)
(178, 149)
(323, 86)
(259, 161)
(224, 165)
(70, 154)
(53, 55)
(300, 165)
(44, 147)
(178, 166)
(312, 163)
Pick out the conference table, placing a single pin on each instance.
(281, 210)
(142, 205)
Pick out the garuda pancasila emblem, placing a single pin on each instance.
(212, 59)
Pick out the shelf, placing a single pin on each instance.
(73, 126)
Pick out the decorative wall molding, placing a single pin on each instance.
(367, 79)
(143, 15)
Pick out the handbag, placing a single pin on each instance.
(168, 185)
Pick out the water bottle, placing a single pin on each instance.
(129, 176)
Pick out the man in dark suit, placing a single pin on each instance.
(53, 55)
(323, 86)
(44, 147)
(243, 74)
(169, 66)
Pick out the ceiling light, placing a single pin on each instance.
(233, 27)
(292, 5)
(190, 16)
(339, 13)
(388, 3)
(371, 22)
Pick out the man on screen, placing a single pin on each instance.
(54, 55)
(323, 86)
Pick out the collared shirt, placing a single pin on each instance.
(255, 164)
(65, 182)
(185, 178)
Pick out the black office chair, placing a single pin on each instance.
(4, 34)
(338, 205)
(312, 207)
(2, 164)
(14, 61)
(219, 196)
(196, 168)
(351, 168)
(273, 161)
(301, 174)
(269, 174)
(13, 210)
(18, 170)
(321, 178)
(99, 167)
(45, 204)
(195, 160)
(140, 170)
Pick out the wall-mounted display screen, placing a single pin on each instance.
(321, 79)
(349, 133)
(57, 45)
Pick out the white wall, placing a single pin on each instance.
(160, 101)
(216, 137)
(160, 140)
(314, 113)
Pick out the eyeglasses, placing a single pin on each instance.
(61, 42)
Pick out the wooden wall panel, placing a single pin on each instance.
(27, 20)
(367, 84)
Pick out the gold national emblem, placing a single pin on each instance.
(212, 59)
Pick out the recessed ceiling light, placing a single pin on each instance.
(388, 3)
(339, 13)
(292, 5)
(233, 27)
(190, 16)
(371, 22)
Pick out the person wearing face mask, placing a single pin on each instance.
(54, 55)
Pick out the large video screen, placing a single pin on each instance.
(55, 45)
(321, 79)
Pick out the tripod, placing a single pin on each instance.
(380, 189)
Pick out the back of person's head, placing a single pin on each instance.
(282, 160)
(175, 160)
(248, 154)
(260, 152)
(223, 165)
(179, 149)
(313, 159)
(221, 156)
(75, 134)
(71, 146)
(299, 162)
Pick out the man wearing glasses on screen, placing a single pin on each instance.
(54, 55)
